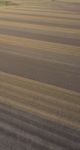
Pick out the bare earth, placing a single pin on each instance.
(40, 75)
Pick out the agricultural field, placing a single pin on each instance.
(39, 75)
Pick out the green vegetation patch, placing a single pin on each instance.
(7, 3)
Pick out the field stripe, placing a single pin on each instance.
(46, 89)
(41, 36)
(28, 26)
(14, 24)
(40, 9)
(36, 113)
(55, 23)
(35, 44)
(46, 113)
(40, 19)
(42, 14)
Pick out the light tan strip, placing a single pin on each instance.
(58, 110)
(40, 45)
(21, 82)
(41, 113)
(26, 26)
(40, 98)
(25, 17)
(46, 14)
(45, 28)
(42, 19)
(36, 100)
(39, 87)
(40, 11)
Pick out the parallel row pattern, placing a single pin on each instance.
(39, 79)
